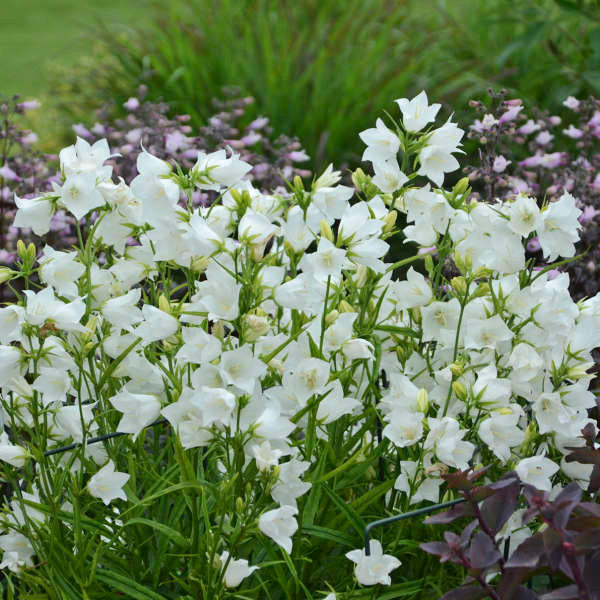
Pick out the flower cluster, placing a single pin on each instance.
(26, 173)
(542, 156)
(284, 352)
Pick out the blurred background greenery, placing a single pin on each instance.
(319, 69)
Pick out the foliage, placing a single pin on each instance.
(274, 380)
(294, 58)
(558, 534)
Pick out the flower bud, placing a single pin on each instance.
(199, 264)
(457, 369)
(218, 330)
(459, 284)
(22, 250)
(255, 326)
(239, 505)
(358, 178)
(415, 314)
(163, 304)
(345, 306)
(580, 371)
(459, 390)
(277, 365)
(331, 317)
(429, 265)
(326, 231)
(401, 354)
(422, 400)
(531, 432)
(298, 183)
(459, 262)
(6, 274)
(461, 186)
(390, 221)
(361, 275)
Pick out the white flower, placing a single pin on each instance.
(236, 570)
(157, 325)
(537, 471)
(35, 213)
(17, 551)
(139, 411)
(559, 234)
(388, 176)
(279, 524)
(416, 113)
(13, 454)
(265, 456)
(500, 432)
(61, 270)
(107, 484)
(524, 216)
(241, 368)
(122, 311)
(80, 195)
(376, 567)
(382, 143)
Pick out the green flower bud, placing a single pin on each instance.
(422, 401)
(331, 317)
(326, 231)
(459, 284)
(390, 221)
(459, 390)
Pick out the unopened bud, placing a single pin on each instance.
(429, 265)
(459, 262)
(461, 186)
(163, 304)
(298, 183)
(422, 400)
(239, 505)
(415, 314)
(459, 390)
(400, 353)
(345, 306)
(255, 326)
(326, 231)
(199, 264)
(21, 250)
(390, 221)
(361, 275)
(457, 369)
(531, 432)
(218, 330)
(332, 317)
(459, 284)
(580, 371)
(6, 274)
(277, 365)
(358, 179)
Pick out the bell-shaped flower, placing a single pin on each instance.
(525, 216)
(241, 368)
(375, 568)
(199, 346)
(17, 551)
(61, 270)
(327, 261)
(265, 456)
(358, 349)
(80, 195)
(404, 428)
(83, 157)
(307, 378)
(53, 384)
(11, 319)
(279, 524)
(413, 292)
(34, 213)
(157, 325)
(13, 454)
(382, 143)
(107, 484)
(537, 471)
(10, 357)
(388, 176)
(416, 113)
(501, 433)
(289, 486)
(186, 416)
(560, 230)
(139, 411)
(122, 311)
(236, 570)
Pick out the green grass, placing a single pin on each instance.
(36, 34)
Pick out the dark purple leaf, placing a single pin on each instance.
(570, 592)
(440, 549)
(524, 593)
(552, 547)
(589, 433)
(589, 508)
(456, 512)
(587, 540)
(466, 592)
(459, 480)
(510, 582)
(591, 575)
(509, 478)
(497, 509)
(528, 553)
(587, 456)
(483, 553)
(594, 485)
(564, 504)
(467, 532)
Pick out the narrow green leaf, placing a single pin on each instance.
(172, 534)
(126, 585)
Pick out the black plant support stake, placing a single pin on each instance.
(401, 517)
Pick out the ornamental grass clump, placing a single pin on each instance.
(274, 381)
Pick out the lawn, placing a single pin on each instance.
(37, 33)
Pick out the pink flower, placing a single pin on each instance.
(132, 104)
(500, 164)
(529, 127)
(510, 114)
(573, 132)
(571, 103)
(544, 138)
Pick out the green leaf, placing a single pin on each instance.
(331, 535)
(126, 585)
(351, 515)
(172, 534)
(372, 495)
